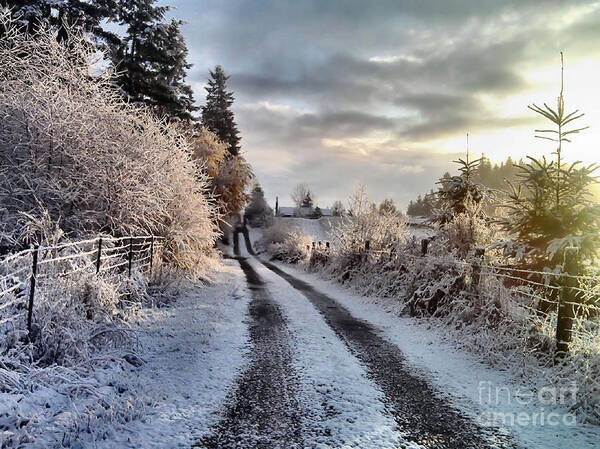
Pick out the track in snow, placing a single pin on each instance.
(423, 416)
(262, 412)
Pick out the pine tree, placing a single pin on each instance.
(258, 211)
(60, 15)
(152, 60)
(216, 113)
(551, 207)
(388, 206)
(308, 201)
(456, 192)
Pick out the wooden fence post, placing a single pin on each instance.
(151, 253)
(99, 255)
(130, 254)
(424, 246)
(566, 309)
(34, 264)
(479, 253)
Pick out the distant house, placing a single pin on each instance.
(303, 212)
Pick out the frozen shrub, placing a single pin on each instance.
(70, 145)
(286, 243)
(228, 175)
(384, 232)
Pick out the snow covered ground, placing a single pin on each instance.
(322, 228)
(319, 229)
(192, 351)
(483, 393)
(195, 350)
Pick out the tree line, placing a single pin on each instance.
(492, 176)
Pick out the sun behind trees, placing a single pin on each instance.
(551, 208)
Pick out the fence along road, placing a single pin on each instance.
(22, 273)
(574, 298)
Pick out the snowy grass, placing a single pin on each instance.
(62, 380)
(285, 242)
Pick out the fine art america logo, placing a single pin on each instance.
(520, 407)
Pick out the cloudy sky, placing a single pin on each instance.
(335, 93)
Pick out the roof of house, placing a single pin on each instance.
(285, 210)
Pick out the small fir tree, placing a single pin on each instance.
(217, 114)
(552, 207)
(456, 193)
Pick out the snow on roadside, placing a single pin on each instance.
(194, 350)
(476, 389)
(191, 350)
(345, 408)
(320, 229)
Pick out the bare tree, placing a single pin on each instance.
(301, 193)
(338, 208)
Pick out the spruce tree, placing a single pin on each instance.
(552, 207)
(152, 60)
(258, 211)
(216, 113)
(60, 15)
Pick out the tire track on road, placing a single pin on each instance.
(422, 414)
(262, 411)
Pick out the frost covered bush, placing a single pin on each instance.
(71, 146)
(385, 232)
(494, 318)
(229, 176)
(286, 243)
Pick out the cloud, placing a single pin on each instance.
(369, 90)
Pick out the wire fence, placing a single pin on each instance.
(566, 298)
(24, 272)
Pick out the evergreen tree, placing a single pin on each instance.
(552, 208)
(151, 60)
(388, 206)
(308, 200)
(79, 14)
(456, 192)
(258, 211)
(216, 113)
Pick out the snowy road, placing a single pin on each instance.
(374, 400)
(263, 411)
(425, 418)
(269, 356)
